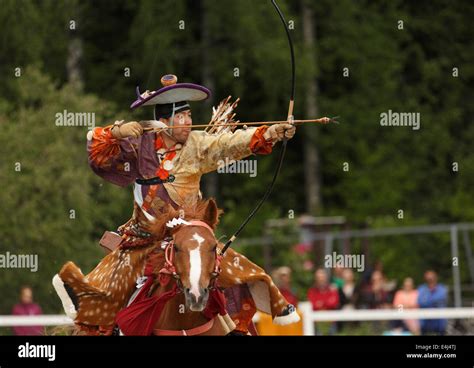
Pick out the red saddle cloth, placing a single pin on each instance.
(140, 317)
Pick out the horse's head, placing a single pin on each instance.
(192, 252)
(195, 250)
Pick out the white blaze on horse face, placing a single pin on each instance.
(198, 238)
(195, 266)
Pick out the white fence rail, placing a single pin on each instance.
(309, 316)
(45, 320)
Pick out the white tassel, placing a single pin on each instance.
(177, 221)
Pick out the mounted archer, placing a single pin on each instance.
(165, 160)
(165, 167)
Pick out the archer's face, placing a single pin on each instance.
(183, 121)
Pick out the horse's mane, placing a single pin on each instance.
(204, 210)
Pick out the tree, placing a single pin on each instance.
(51, 201)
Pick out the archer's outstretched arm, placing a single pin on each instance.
(113, 159)
(213, 149)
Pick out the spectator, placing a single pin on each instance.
(376, 294)
(432, 295)
(27, 307)
(367, 274)
(407, 298)
(348, 294)
(322, 295)
(337, 279)
(282, 278)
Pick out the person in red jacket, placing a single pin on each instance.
(282, 278)
(27, 307)
(323, 295)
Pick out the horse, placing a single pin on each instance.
(181, 257)
(182, 296)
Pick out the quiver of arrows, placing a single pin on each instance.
(223, 117)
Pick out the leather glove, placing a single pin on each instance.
(132, 129)
(280, 131)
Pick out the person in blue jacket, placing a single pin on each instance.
(432, 295)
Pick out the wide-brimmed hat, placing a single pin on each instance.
(172, 92)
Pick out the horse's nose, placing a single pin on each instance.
(190, 295)
(203, 293)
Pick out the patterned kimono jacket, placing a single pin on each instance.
(123, 161)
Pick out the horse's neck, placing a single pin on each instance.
(175, 316)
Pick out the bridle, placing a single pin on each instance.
(169, 268)
(144, 310)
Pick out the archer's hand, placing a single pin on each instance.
(280, 131)
(131, 129)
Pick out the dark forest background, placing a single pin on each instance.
(355, 59)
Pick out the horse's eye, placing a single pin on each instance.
(214, 249)
(175, 248)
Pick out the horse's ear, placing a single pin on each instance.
(211, 213)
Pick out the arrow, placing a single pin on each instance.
(154, 125)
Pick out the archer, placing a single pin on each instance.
(165, 168)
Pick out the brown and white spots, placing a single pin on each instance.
(238, 280)
(236, 262)
(229, 271)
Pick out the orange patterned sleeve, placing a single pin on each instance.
(115, 160)
(258, 144)
(103, 147)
